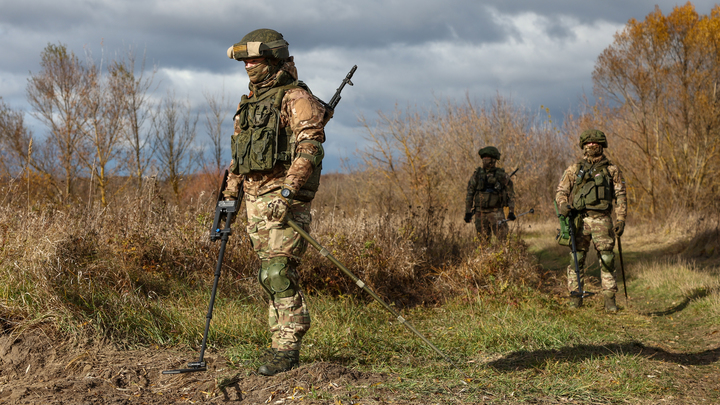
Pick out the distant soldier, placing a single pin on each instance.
(276, 157)
(589, 187)
(488, 191)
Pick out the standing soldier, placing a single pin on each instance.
(488, 191)
(276, 155)
(589, 187)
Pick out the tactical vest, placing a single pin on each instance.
(491, 191)
(260, 143)
(593, 188)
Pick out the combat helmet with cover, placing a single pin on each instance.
(490, 151)
(593, 135)
(262, 42)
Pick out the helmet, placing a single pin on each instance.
(593, 135)
(490, 151)
(260, 43)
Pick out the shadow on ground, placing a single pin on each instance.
(522, 359)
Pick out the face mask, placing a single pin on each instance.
(592, 150)
(259, 72)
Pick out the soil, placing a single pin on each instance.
(36, 370)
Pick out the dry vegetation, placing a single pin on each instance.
(97, 254)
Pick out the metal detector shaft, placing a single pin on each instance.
(362, 285)
(622, 269)
(502, 221)
(225, 210)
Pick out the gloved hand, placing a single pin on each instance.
(511, 216)
(468, 217)
(619, 228)
(278, 209)
(564, 209)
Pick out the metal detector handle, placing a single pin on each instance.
(361, 284)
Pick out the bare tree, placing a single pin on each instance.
(175, 129)
(213, 123)
(57, 95)
(138, 110)
(106, 107)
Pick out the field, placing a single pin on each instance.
(96, 304)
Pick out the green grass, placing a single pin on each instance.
(511, 341)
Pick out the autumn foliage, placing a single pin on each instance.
(658, 90)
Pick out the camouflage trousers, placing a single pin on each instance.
(288, 317)
(595, 227)
(486, 223)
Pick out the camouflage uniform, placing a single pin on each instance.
(488, 191)
(594, 223)
(299, 130)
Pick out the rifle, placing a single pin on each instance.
(336, 97)
(502, 221)
(569, 222)
(224, 211)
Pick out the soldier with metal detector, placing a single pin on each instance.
(276, 162)
(584, 203)
(489, 190)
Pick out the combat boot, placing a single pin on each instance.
(284, 360)
(610, 305)
(267, 355)
(576, 302)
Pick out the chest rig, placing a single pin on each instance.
(593, 188)
(491, 188)
(259, 143)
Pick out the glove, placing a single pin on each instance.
(511, 216)
(278, 210)
(564, 209)
(619, 228)
(468, 217)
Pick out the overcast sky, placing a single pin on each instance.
(408, 52)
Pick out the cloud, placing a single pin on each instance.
(408, 52)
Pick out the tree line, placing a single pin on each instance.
(656, 97)
(103, 123)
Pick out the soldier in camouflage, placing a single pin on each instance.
(276, 158)
(589, 187)
(488, 191)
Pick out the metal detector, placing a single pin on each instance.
(224, 211)
(622, 269)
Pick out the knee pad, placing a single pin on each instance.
(580, 259)
(607, 260)
(274, 277)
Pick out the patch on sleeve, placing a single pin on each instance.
(303, 109)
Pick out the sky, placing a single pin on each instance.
(409, 53)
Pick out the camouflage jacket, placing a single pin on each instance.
(305, 116)
(617, 184)
(489, 191)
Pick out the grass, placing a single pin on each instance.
(498, 312)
